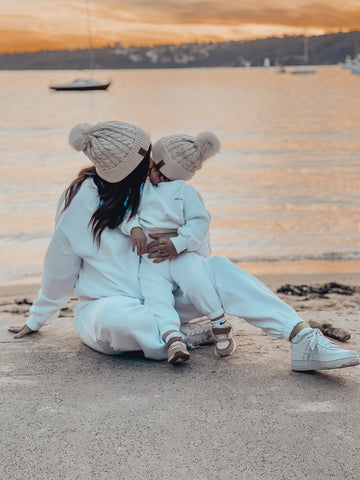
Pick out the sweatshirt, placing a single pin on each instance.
(170, 206)
(75, 264)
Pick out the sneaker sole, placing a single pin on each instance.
(179, 357)
(227, 354)
(301, 366)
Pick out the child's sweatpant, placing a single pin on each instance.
(187, 271)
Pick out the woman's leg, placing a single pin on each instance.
(118, 324)
(246, 297)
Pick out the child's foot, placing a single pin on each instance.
(176, 348)
(224, 343)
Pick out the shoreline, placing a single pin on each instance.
(301, 267)
(265, 271)
(11, 292)
(272, 280)
(258, 268)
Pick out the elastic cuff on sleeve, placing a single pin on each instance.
(179, 243)
(126, 227)
(33, 324)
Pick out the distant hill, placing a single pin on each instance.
(323, 50)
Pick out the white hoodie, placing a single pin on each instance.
(75, 264)
(174, 205)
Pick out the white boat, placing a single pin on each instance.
(352, 64)
(355, 68)
(267, 62)
(81, 84)
(304, 69)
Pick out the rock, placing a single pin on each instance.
(330, 331)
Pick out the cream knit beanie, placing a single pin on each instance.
(179, 156)
(115, 148)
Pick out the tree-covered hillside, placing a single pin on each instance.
(323, 50)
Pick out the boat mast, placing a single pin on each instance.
(90, 38)
(306, 51)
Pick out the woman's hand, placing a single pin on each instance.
(138, 240)
(161, 249)
(20, 331)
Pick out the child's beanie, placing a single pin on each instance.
(115, 148)
(179, 156)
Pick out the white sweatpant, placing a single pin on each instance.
(189, 272)
(118, 324)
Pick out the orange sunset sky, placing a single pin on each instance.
(30, 25)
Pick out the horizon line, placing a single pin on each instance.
(119, 45)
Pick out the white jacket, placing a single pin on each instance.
(75, 264)
(174, 205)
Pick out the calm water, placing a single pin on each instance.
(283, 193)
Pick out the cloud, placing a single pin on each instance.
(31, 24)
(298, 13)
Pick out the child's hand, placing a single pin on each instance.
(138, 240)
(165, 250)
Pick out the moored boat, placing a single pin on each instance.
(81, 84)
(303, 70)
(351, 64)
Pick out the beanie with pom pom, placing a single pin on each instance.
(179, 156)
(115, 148)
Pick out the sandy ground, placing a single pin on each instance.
(68, 412)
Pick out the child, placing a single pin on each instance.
(171, 208)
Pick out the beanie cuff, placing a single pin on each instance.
(132, 160)
(171, 170)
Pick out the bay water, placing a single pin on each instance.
(283, 192)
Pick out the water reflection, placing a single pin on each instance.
(285, 185)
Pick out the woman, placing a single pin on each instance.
(90, 256)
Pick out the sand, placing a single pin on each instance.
(340, 310)
(71, 413)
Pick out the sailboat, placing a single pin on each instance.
(82, 84)
(279, 66)
(304, 69)
(352, 64)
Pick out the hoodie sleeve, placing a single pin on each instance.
(127, 225)
(194, 233)
(61, 269)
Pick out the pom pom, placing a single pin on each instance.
(79, 136)
(208, 145)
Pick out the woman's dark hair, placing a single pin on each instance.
(117, 200)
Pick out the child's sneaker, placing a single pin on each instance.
(224, 343)
(177, 351)
(310, 350)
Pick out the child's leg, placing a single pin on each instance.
(190, 272)
(156, 288)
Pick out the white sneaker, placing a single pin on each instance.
(197, 333)
(310, 350)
